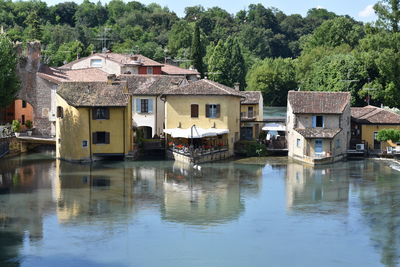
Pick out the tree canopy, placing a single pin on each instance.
(9, 83)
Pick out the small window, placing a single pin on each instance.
(149, 70)
(101, 138)
(101, 114)
(23, 104)
(194, 110)
(96, 63)
(144, 105)
(84, 143)
(23, 119)
(60, 112)
(298, 142)
(213, 110)
(318, 121)
(337, 143)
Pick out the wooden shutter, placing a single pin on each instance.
(94, 138)
(107, 113)
(207, 111)
(107, 137)
(94, 112)
(60, 112)
(218, 111)
(194, 110)
(150, 105)
(138, 106)
(314, 121)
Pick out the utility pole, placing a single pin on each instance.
(103, 38)
(368, 89)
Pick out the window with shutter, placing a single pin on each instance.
(212, 111)
(101, 138)
(100, 114)
(144, 106)
(60, 112)
(194, 110)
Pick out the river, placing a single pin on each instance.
(252, 212)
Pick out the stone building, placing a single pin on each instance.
(318, 126)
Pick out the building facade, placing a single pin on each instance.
(251, 115)
(367, 121)
(92, 121)
(318, 126)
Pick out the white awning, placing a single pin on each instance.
(274, 127)
(196, 133)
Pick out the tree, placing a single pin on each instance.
(197, 51)
(218, 65)
(64, 13)
(388, 135)
(274, 78)
(9, 83)
(34, 30)
(180, 36)
(388, 12)
(238, 66)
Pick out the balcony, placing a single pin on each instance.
(248, 115)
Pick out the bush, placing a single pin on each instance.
(251, 149)
(29, 124)
(16, 126)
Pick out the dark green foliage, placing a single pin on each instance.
(388, 12)
(388, 135)
(9, 84)
(197, 51)
(251, 149)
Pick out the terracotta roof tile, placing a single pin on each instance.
(56, 75)
(251, 97)
(126, 59)
(312, 102)
(204, 87)
(314, 133)
(174, 70)
(93, 94)
(152, 84)
(374, 115)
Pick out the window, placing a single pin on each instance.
(298, 142)
(23, 104)
(194, 110)
(144, 105)
(23, 119)
(317, 121)
(100, 114)
(149, 70)
(213, 110)
(337, 143)
(96, 63)
(84, 143)
(60, 112)
(101, 138)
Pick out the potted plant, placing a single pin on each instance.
(16, 127)
(29, 126)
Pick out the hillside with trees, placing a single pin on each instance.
(260, 47)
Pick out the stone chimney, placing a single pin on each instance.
(237, 86)
(111, 78)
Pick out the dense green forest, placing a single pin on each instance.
(260, 47)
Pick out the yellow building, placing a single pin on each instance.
(251, 115)
(202, 121)
(367, 122)
(93, 120)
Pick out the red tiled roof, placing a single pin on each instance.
(312, 102)
(374, 115)
(125, 59)
(204, 87)
(82, 75)
(174, 70)
(251, 97)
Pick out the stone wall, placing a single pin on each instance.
(34, 89)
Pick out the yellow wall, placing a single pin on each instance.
(77, 126)
(178, 110)
(367, 133)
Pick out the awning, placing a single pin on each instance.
(196, 133)
(274, 127)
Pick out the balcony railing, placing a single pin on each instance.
(197, 152)
(248, 115)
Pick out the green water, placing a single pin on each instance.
(253, 212)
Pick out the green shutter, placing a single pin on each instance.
(218, 111)
(94, 138)
(107, 134)
(207, 111)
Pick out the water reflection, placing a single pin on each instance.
(42, 197)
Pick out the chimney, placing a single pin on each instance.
(237, 86)
(111, 78)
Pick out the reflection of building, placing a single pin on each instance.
(84, 193)
(207, 196)
(306, 186)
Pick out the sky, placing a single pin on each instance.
(358, 9)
